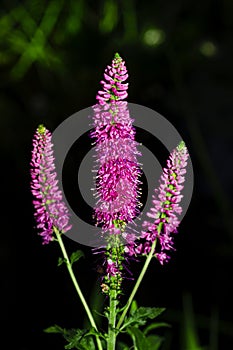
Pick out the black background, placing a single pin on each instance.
(192, 89)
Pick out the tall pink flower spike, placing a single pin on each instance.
(117, 183)
(117, 169)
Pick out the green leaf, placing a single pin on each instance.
(139, 340)
(54, 329)
(73, 337)
(61, 261)
(76, 338)
(154, 342)
(141, 315)
(88, 343)
(154, 326)
(81, 339)
(75, 256)
(134, 307)
(83, 344)
(75, 345)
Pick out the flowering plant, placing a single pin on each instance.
(117, 189)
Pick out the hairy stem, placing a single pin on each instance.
(76, 285)
(137, 284)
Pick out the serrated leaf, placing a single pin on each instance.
(88, 343)
(77, 345)
(154, 326)
(141, 315)
(154, 342)
(76, 338)
(75, 256)
(82, 344)
(54, 329)
(147, 312)
(139, 340)
(81, 339)
(73, 337)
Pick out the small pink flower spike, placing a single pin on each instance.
(50, 210)
(163, 221)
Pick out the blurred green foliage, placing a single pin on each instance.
(26, 32)
(36, 32)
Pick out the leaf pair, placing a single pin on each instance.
(75, 256)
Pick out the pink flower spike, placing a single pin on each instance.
(164, 221)
(50, 210)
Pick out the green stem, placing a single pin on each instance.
(137, 284)
(112, 320)
(76, 285)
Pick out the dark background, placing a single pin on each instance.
(179, 57)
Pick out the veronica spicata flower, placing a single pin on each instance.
(163, 221)
(50, 210)
(118, 171)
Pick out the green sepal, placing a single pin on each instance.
(168, 194)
